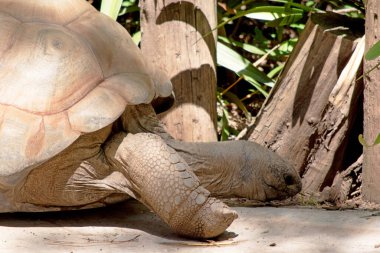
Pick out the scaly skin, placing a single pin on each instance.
(240, 169)
(161, 179)
(226, 169)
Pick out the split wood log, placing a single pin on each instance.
(346, 184)
(173, 39)
(313, 105)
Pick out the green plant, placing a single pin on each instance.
(365, 144)
(115, 8)
(255, 39)
(111, 8)
(119, 10)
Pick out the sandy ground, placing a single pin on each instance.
(130, 227)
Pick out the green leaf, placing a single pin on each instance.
(362, 140)
(126, 10)
(288, 5)
(223, 124)
(260, 38)
(303, 7)
(373, 52)
(279, 31)
(377, 141)
(247, 47)
(266, 13)
(298, 26)
(285, 20)
(271, 13)
(365, 144)
(234, 99)
(111, 8)
(128, 3)
(136, 37)
(233, 61)
(287, 46)
(274, 72)
(266, 16)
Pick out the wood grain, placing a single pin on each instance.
(307, 116)
(172, 40)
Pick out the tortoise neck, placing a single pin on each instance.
(216, 164)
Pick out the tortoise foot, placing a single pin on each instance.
(161, 179)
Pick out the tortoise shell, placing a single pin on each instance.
(65, 70)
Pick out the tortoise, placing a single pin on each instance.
(79, 129)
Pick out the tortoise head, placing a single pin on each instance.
(267, 176)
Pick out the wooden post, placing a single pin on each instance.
(371, 159)
(172, 39)
(312, 107)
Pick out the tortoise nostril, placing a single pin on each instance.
(289, 180)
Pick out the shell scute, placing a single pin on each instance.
(65, 70)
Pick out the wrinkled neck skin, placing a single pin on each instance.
(239, 169)
(217, 166)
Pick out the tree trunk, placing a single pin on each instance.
(371, 161)
(172, 39)
(313, 105)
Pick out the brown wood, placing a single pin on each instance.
(312, 106)
(172, 39)
(371, 162)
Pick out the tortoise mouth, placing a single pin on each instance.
(283, 192)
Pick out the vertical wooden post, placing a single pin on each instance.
(371, 159)
(172, 39)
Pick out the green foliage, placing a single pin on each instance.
(129, 6)
(373, 52)
(232, 60)
(111, 8)
(365, 144)
(245, 46)
(115, 8)
(223, 122)
(255, 40)
(126, 12)
(258, 38)
(276, 15)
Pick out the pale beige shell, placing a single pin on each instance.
(65, 69)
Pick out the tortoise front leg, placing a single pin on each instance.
(161, 179)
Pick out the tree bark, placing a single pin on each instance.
(313, 105)
(172, 39)
(371, 162)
